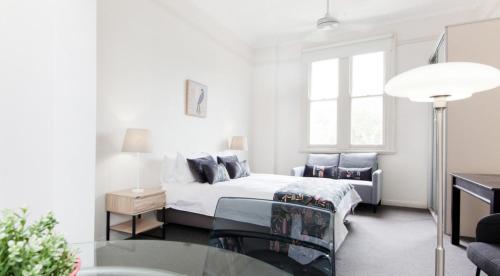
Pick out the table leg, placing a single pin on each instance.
(163, 234)
(133, 226)
(455, 215)
(495, 203)
(108, 216)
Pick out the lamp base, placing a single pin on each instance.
(138, 190)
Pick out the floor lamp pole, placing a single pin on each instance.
(440, 106)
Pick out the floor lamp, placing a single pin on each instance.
(441, 83)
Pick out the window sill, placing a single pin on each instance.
(379, 150)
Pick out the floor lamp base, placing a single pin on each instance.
(439, 261)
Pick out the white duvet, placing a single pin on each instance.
(202, 198)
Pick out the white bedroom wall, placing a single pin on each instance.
(47, 111)
(146, 52)
(279, 112)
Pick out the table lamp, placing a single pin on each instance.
(239, 143)
(441, 83)
(137, 141)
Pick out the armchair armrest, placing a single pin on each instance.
(488, 228)
(377, 186)
(297, 171)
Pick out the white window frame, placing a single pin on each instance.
(344, 52)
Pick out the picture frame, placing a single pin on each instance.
(196, 99)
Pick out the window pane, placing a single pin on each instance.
(323, 123)
(325, 79)
(368, 74)
(367, 121)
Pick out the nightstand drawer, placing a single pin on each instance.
(128, 203)
(149, 203)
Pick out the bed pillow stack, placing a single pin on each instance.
(215, 172)
(175, 170)
(205, 169)
(235, 168)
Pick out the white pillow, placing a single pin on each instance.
(168, 169)
(247, 166)
(183, 173)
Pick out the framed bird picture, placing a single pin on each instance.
(196, 99)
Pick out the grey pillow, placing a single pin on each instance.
(215, 172)
(355, 173)
(226, 159)
(196, 167)
(320, 171)
(238, 169)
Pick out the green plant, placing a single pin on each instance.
(33, 249)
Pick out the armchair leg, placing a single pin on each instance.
(478, 271)
(374, 206)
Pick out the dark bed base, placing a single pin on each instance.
(187, 218)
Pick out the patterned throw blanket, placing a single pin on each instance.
(314, 192)
(305, 225)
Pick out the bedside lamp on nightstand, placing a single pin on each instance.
(137, 141)
(239, 143)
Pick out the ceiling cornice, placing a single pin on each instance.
(488, 8)
(205, 25)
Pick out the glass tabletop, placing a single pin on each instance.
(154, 257)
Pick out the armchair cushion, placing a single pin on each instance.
(298, 171)
(323, 159)
(485, 256)
(359, 160)
(488, 228)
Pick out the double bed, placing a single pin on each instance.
(194, 203)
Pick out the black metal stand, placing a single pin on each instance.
(134, 226)
(108, 216)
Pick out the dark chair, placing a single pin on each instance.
(295, 238)
(485, 252)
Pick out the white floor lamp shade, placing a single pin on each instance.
(137, 141)
(440, 83)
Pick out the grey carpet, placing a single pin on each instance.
(394, 241)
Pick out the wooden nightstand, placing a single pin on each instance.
(126, 202)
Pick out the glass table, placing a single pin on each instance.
(153, 257)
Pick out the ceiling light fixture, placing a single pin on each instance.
(328, 22)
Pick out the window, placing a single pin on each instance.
(367, 99)
(347, 108)
(323, 97)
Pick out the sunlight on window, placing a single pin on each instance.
(367, 121)
(367, 102)
(324, 79)
(368, 74)
(323, 123)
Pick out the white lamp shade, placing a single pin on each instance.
(239, 143)
(455, 80)
(137, 140)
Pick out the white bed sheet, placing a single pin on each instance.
(202, 198)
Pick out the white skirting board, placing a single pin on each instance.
(401, 203)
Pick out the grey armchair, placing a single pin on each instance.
(485, 252)
(370, 191)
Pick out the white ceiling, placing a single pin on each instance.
(255, 21)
